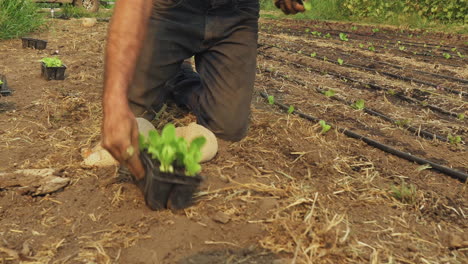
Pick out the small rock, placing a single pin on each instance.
(221, 217)
(89, 22)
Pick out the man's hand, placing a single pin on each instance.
(120, 137)
(290, 7)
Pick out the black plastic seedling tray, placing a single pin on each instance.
(4, 86)
(167, 190)
(34, 43)
(53, 73)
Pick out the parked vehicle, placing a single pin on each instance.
(90, 5)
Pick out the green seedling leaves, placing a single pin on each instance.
(404, 193)
(52, 62)
(461, 116)
(454, 139)
(454, 49)
(375, 30)
(271, 99)
(359, 104)
(460, 55)
(291, 109)
(391, 92)
(1, 82)
(402, 48)
(307, 30)
(325, 127)
(371, 48)
(344, 37)
(327, 35)
(353, 28)
(361, 45)
(446, 55)
(424, 167)
(329, 93)
(313, 54)
(171, 150)
(340, 61)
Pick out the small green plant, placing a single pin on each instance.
(1, 82)
(315, 33)
(344, 37)
(461, 116)
(172, 151)
(375, 30)
(271, 99)
(402, 48)
(460, 55)
(291, 109)
(354, 28)
(329, 93)
(402, 123)
(454, 139)
(325, 58)
(361, 45)
(325, 127)
(307, 30)
(391, 92)
(340, 61)
(454, 49)
(52, 62)
(446, 55)
(404, 193)
(327, 35)
(313, 54)
(371, 48)
(359, 104)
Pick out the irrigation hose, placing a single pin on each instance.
(446, 170)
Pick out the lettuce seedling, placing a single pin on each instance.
(358, 105)
(1, 82)
(446, 55)
(329, 93)
(325, 127)
(375, 30)
(344, 37)
(461, 116)
(313, 54)
(354, 28)
(171, 150)
(327, 35)
(340, 61)
(271, 99)
(52, 62)
(402, 48)
(371, 48)
(291, 109)
(361, 45)
(454, 139)
(460, 55)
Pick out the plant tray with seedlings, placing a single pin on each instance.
(53, 69)
(34, 43)
(172, 167)
(4, 86)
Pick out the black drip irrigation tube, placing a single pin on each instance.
(378, 88)
(419, 132)
(395, 76)
(463, 177)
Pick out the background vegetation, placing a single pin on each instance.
(18, 17)
(416, 13)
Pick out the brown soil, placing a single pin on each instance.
(284, 194)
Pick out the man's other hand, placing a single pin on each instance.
(290, 7)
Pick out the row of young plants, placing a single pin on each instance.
(346, 55)
(360, 105)
(374, 87)
(341, 62)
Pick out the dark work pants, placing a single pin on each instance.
(222, 35)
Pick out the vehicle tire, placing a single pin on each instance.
(90, 5)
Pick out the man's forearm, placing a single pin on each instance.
(126, 35)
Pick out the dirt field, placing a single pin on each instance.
(285, 194)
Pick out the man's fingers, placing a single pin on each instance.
(289, 7)
(298, 7)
